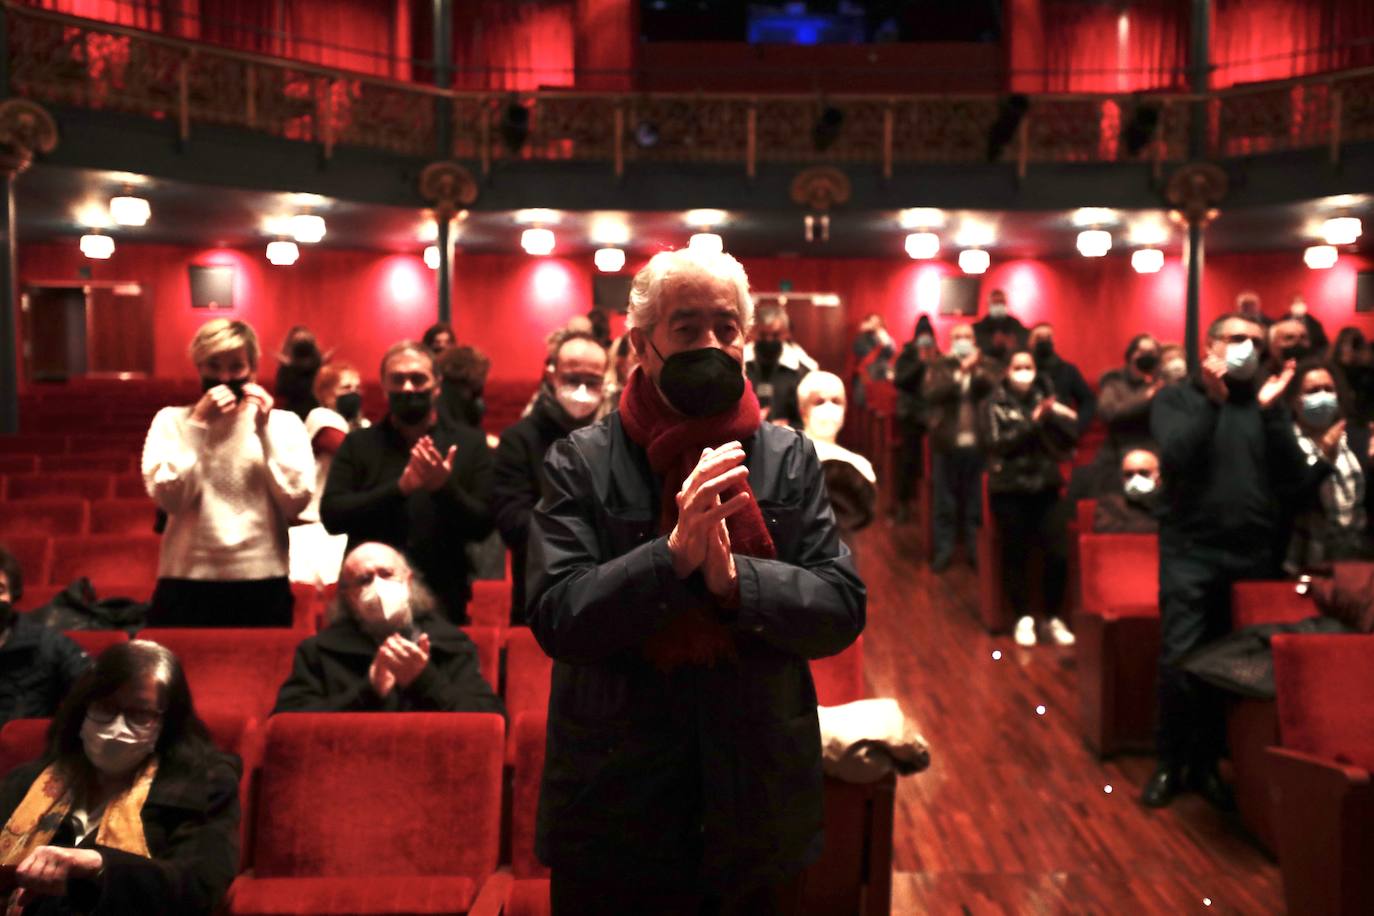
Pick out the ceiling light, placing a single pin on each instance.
(538, 216)
(130, 211)
(921, 218)
(707, 242)
(97, 247)
(1320, 257)
(538, 242)
(1094, 216)
(610, 230)
(922, 245)
(1148, 232)
(705, 219)
(432, 257)
(975, 235)
(1094, 243)
(92, 215)
(974, 260)
(1343, 230)
(1147, 260)
(302, 199)
(307, 228)
(282, 253)
(609, 260)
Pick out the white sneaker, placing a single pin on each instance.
(1025, 631)
(1061, 634)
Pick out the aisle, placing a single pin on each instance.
(1014, 816)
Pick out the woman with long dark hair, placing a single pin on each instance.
(130, 808)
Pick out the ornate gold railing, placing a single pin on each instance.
(68, 61)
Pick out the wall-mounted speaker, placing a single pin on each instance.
(212, 286)
(611, 292)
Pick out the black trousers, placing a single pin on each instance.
(911, 465)
(1195, 609)
(244, 603)
(956, 482)
(1031, 528)
(572, 897)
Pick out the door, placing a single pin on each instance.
(57, 333)
(819, 329)
(120, 331)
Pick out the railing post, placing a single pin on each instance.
(326, 117)
(485, 136)
(1335, 125)
(1023, 145)
(619, 139)
(751, 139)
(184, 97)
(887, 140)
(250, 92)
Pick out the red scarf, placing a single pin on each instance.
(674, 444)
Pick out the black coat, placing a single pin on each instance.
(191, 824)
(987, 326)
(1023, 455)
(707, 777)
(776, 388)
(329, 674)
(362, 499)
(38, 665)
(1071, 388)
(909, 377)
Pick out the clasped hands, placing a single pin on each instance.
(427, 469)
(220, 401)
(700, 539)
(398, 662)
(45, 871)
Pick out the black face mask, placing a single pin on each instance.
(1295, 351)
(304, 349)
(1044, 351)
(234, 384)
(6, 615)
(1147, 362)
(349, 405)
(768, 351)
(701, 383)
(410, 408)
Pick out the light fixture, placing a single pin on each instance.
(922, 245)
(1094, 216)
(307, 228)
(97, 247)
(1148, 232)
(610, 230)
(975, 234)
(130, 211)
(1342, 230)
(921, 218)
(1147, 260)
(609, 260)
(1094, 243)
(1320, 257)
(706, 242)
(537, 241)
(282, 253)
(974, 260)
(432, 257)
(538, 216)
(705, 219)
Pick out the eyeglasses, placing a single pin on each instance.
(105, 712)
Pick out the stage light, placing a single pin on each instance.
(432, 257)
(1147, 260)
(609, 260)
(974, 260)
(97, 247)
(130, 211)
(538, 241)
(827, 129)
(1320, 257)
(282, 253)
(922, 246)
(1094, 243)
(1343, 230)
(706, 241)
(921, 218)
(307, 228)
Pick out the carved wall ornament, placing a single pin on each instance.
(820, 188)
(448, 187)
(26, 128)
(1196, 189)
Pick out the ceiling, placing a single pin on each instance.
(55, 203)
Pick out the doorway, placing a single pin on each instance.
(818, 325)
(87, 330)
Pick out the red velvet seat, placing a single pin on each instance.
(232, 670)
(34, 555)
(86, 485)
(1324, 798)
(365, 813)
(96, 641)
(44, 517)
(490, 604)
(123, 516)
(105, 463)
(528, 673)
(123, 443)
(129, 486)
(487, 640)
(307, 613)
(22, 740)
(18, 464)
(118, 565)
(840, 678)
(33, 444)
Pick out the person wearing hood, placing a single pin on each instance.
(1069, 385)
(849, 477)
(384, 649)
(568, 399)
(909, 378)
(999, 333)
(775, 385)
(38, 664)
(1130, 509)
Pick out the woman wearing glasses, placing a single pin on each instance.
(131, 808)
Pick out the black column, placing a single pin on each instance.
(1199, 77)
(443, 76)
(1193, 257)
(445, 244)
(9, 315)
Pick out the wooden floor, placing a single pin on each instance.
(1014, 814)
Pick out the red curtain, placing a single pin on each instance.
(513, 44)
(1083, 46)
(607, 38)
(1255, 40)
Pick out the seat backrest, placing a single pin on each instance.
(96, 641)
(490, 604)
(237, 670)
(43, 517)
(35, 444)
(18, 464)
(34, 555)
(488, 643)
(1116, 570)
(129, 486)
(118, 565)
(1268, 602)
(22, 740)
(123, 516)
(1087, 508)
(1325, 694)
(84, 484)
(840, 678)
(528, 673)
(379, 794)
(528, 732)
(104, 462)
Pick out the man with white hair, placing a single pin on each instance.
(849, 476)
(684, 565)
(385, 649)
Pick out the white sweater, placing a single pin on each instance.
(229, 493)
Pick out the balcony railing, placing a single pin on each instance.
(67, 61)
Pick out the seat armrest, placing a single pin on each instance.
(495, 894)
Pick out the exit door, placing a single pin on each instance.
(97, 330)
(56, 348)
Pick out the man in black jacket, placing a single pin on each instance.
(38, 665)
(999, 333)
(775, 383)
(413, 483)
(1232, 468)
(1070, 388)
(567, 400)
(385, 651)
(681, 584)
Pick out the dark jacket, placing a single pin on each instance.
(706, 777)
(517, 478)
(1317, 539)
(908, 377)
(1123, 403)
(776, 388)
(330, 674)
(191, 824)
(985, 327)
(943, 394)
(362, 499)
(1115, 514)
(1024, 455)
(38, 666)
(1071, 388)
(295, 388)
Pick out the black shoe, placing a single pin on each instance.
(1162, 787)
(1207, 782)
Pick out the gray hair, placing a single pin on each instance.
(815, 382)
(647, 288)
(767, 314)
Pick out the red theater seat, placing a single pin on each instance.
(29, 444)
(129, 486)
(96, 641)
(22, 740)
(840, 678)
(43, 517)
(411, 825)
(118, 565)
(1324, 799)
(232, 670)
(487, 640)
(34, 555)
(490, 604)
(18, 464)
(92, 485)
(104, 463)
(528, 673)
(307, 614)
(123, 516)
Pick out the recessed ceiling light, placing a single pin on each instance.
(609, 260)
(974, 261)
(921, 218)
(130, 211)
(1094, 243)
(705, 219)
(1148, 232)
(922, 245)
(304, 200)
(1320, 257)
(93, 215)
(307, 228)
(609, 230)
(97, 247)
(1342, 230)
(975, 234)
(1094, 216)
(1147, 260)
(282, 253)
(539, 216)
(538, 242)
(706, 241)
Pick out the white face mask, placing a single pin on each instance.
(1022, 379)
(961, 347)
(1139, 486)
(115, 748)
(579, 402)
(825, 421)
(1241, 360)
(385, 601)
(997, 309)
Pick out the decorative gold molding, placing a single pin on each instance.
(448, 187)
(821, 187)
(1196, 189)
(26, 128)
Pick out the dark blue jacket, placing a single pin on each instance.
(38, 665)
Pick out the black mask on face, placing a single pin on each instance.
(349, 405)
(410, 408)
(701, 383)
(234, 384)
(1147, 362)
(304, 349)
(1044, 351)
(1293, 351)
(768, 351)
(6, 615)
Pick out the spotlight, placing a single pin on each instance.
(646, 135)
(538, 242)
(282, 253)
(130, 211)
(515, 126)
(706, 241)
(1343, 230)
(1147, 260)
(1009, 114)
(974, 261)
(432, 257)
(1094, 243)
(1320, 257)
(609, 260)
(922, 245)
(1139, 129)
(97, 247)
(827, 129)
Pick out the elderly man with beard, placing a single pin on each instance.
(684, 566)
(385, 649)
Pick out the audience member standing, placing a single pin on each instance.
(1124, 397)
(909, 378)
(775, 384)
(439, 338)
(1027, 433)
(298, 363)
(1288, 342)
(999, 333)
(1354, 357)
(38, 665)
(1231, 465)
(849, 478)
(232, 474)
(462, 385)
(873, 351)
(1316, 334)
(568, 399)
(411, 482)
(1248, 305)
(1070, 388)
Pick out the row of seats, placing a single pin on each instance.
(80, 443)
(82, 484)
(59, 516)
